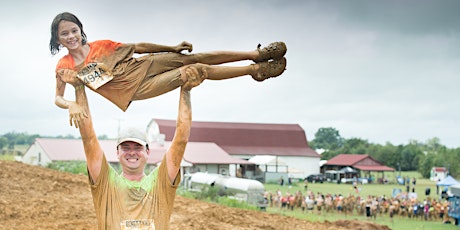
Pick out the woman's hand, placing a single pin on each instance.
(69, 76)
(183, 46)
(76, 113)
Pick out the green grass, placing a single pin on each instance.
(7, 157)
(398, 223)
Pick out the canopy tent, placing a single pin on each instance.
(266, 160)
(348, 170)
(448, 181)
(455, 189)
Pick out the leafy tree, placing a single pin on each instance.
(3, 142)
(387, 154)
(426, 164)
(326, 155)
(434, 145)
(410, 157)
(355, 146)
(327, 138)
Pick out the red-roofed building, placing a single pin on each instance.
(362, 163)
(288, 142)
(438, 173)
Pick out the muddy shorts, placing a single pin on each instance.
(162, 76)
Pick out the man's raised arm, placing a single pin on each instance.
(93, 150)
(176, 151)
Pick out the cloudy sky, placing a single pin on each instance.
(384, 71)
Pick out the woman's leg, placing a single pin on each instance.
(220, 57)
(275, 50)
(170, 80)
(258, 71)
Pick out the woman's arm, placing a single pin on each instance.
(144, 47)
(63, 77)
(60, 89)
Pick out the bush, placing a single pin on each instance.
(75, 167)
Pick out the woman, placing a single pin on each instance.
(109, 68)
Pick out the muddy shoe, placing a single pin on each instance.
(275, 50)
(270, 69)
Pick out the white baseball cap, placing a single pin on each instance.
(134, 135)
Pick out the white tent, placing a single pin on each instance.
(448, 181)
(455, 189)
(266, 160)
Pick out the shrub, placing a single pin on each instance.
(75, 167)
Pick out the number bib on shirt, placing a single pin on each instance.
(94, 75)
(137, 225)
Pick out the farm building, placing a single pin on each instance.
(345, 167)
(438, 173)
(286, 143)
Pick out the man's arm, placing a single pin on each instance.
(176, 151)
(93, 150)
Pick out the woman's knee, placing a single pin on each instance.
(190, 59)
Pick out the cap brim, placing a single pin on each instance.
(137, 140)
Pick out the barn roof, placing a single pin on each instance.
(374, 168)
(346, 159)
(247, 138)
(195, 153)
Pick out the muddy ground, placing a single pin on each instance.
(33, 197)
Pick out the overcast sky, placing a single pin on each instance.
(384, 71)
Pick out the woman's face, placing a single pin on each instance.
(69, 35)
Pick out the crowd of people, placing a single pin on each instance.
(371, 206)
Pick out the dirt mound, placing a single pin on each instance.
(33, 197)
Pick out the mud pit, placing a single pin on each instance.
(38, 198)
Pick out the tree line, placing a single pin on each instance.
(11, 139)
(414, 156)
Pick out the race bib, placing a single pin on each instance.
(137, 225)
(94, 75)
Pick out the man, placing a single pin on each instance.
(132, 199)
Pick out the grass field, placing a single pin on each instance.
(398, 223)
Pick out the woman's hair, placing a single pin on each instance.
(66, 16)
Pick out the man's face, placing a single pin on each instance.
(133, 156)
